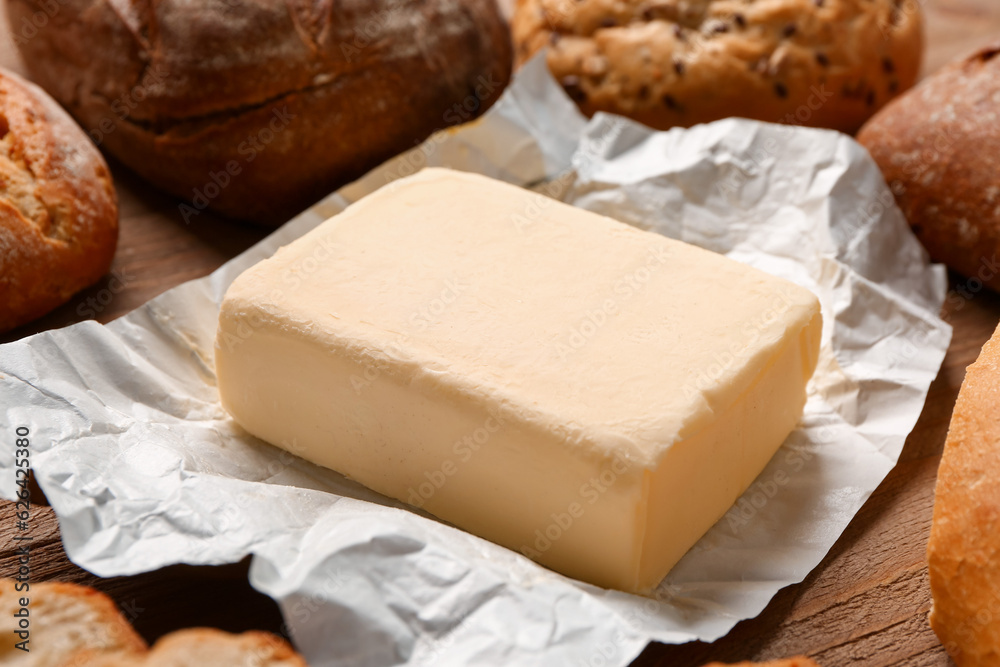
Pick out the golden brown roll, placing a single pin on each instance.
(58, 211)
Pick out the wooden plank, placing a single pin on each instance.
(866, 602)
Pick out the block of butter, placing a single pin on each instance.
(589, 394)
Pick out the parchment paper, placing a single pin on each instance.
(145, 469)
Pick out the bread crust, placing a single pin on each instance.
(296, 97)
(667, 63)
(58, 210)
(939, 149)
(964, 548)
(797, 661)
(200, 646)
(65, 618)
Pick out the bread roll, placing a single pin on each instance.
(58, 212)
(666, 63)
(257, 108)
(939, 149)
(964, 549)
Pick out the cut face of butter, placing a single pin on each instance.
(588, 394)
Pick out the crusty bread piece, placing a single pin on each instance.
(58, 211)
(76, 626)
(201, 646)
(257, 108)
(797, 661)
(964, 548)
(938, 147)
(64, 619)
(666, 63)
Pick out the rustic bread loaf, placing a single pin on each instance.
(964, 549)
(666, 63)
(939, 149)
(58, 213)
(76, 626)
(257, 108)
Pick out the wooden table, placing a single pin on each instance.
(867, 601)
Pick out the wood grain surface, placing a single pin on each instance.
(866, 603)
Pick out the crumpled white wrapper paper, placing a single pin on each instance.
(145, 469)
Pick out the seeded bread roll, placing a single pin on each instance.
(964, 548)
(938, 147)
(257, 108)
(58, 211)
(666, 63)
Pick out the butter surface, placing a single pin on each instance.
(589, 394)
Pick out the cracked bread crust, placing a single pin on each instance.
(667, 63)
(58, 211)
(257, 108)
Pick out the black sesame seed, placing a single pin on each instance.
(788, 30)
(571, 84)
(893, 86)
(670, 102)
(643, 92)
(870, 98)
(647, 14)
(780, 90)
(740, 20)
(720, 27)
(679, 66)
(822, 59)
(818, 3)
(888, 66)
(679, 32)
(608, 23)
